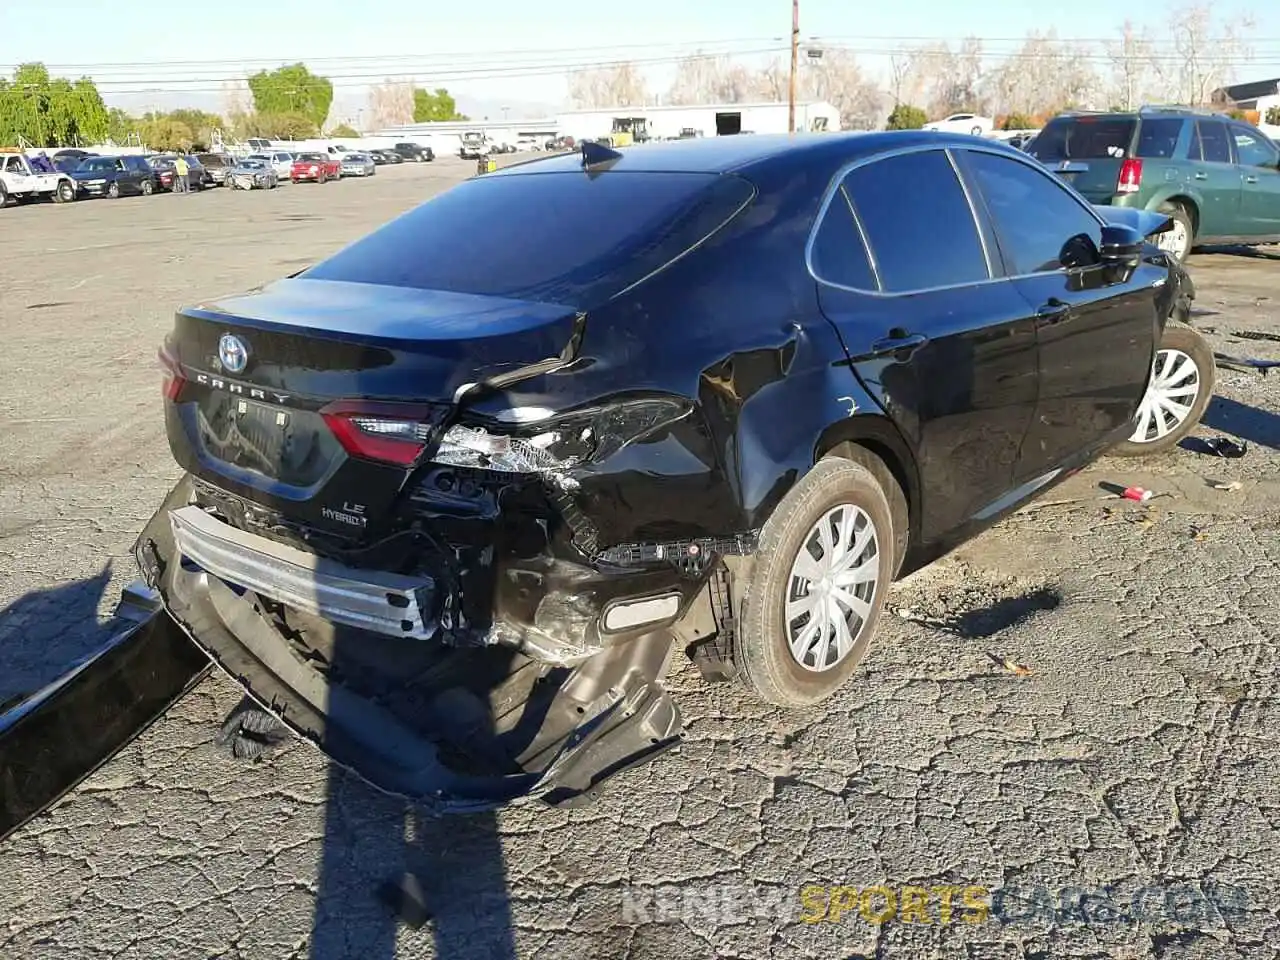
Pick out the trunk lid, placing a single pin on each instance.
(272, 394)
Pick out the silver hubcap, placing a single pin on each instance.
(1175, 239)
(831, 587)
(1174, 387)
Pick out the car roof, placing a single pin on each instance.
(758, 152)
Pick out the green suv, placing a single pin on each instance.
(1218, 178)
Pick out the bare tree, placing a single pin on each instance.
(772, 83)
(390, 104)
(899, 74)
(1133, 77)
(622, 85)
(943, 80)
(703, 78)
(1046, 75)
(838, 78)
(1203, 60)
(237, 101)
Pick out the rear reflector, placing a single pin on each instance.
(1130, 176)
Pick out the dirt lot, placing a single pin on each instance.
(1142, 750)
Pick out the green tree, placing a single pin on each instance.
(428, 106)
(906, 117)
(344, 130)
(49, 111)
(120, 125)
(292, 90)
(1018, 121)
(276, 126)
(162, 132)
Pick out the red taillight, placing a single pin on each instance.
(1130, 176)
(174, 381)
(386, 432)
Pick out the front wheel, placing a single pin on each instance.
(1181, 386)
(113, 191)
(4, 197)
(817, 585)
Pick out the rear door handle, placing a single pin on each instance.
(1202, 176)
(1055, 311)
(897, 344)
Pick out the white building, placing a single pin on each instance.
(706, 120)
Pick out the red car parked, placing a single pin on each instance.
(315, 166)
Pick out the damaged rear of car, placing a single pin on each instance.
(418, 523)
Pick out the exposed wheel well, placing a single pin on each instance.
(1189, 205)
(881, 460)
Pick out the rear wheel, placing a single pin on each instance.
(113, 191)
(1178, 239)
(65, 193)
(148, 188)
(976, 131)
(1181, 386)
(813, 596)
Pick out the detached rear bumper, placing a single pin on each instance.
(502, 727)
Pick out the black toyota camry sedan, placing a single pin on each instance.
(456, 495)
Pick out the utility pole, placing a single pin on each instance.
(795, 64)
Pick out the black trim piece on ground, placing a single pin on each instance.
(55, 738)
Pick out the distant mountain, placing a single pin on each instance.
(481, 109)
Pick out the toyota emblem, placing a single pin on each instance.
(233, 353)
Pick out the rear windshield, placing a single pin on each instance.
(1084, 138)
(556, 237)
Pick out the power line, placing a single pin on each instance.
(204, 84)
(445, 59)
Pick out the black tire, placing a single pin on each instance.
(4, 197)
(761, 649)
(148, 188)
(1185, 223)
(113, 191)
(1191, 344)
(65, 192)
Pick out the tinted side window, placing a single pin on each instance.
(1252, 149)
(1034, 216)
(1158, 139)
(918, 222)
(838, 252)
(1212, 137)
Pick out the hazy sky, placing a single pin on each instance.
(458, 45)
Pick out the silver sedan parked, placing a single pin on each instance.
(250, 173)
(358, 165)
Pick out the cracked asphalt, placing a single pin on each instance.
(1084, 697)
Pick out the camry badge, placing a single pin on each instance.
(233, 353)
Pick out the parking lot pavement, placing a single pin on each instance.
(1141, 750)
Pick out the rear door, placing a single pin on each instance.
(1259, 163)
(1096, 330)
(947, 346)
(1217, 180)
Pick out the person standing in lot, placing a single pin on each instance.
(180, 172)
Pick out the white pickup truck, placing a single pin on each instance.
(19, 180)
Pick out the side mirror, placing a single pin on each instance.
(1122, 246)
